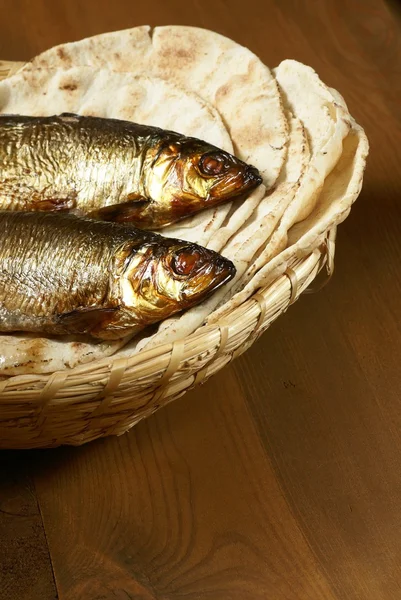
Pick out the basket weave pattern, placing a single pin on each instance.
(109, 396)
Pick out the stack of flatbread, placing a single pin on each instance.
(285, 121)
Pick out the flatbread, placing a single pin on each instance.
(339, 192)
(248, 245)
(226, 75)
(87, 91)
(326, 123)
(21, 354)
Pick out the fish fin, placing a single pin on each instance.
(88, 320)
(66, 116)
(134, 197)
(55, 204)
(125, 212)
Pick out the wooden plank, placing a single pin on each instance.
(185, 505)
(25, 567)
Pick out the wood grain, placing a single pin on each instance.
(191, 508)
(336, 362)
(25, 566)
(280, 478)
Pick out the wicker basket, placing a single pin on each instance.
(109, 396)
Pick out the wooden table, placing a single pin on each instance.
(281, 478)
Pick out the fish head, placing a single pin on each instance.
(190, 175)
(214, 175)
(173, 275)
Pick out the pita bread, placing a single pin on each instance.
(30, 353)
(87, 91)
(226, 75)
(339, 192)
(247, 246)
(326, 123)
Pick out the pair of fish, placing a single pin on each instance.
(61, 273)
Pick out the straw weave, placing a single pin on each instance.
(109, 396)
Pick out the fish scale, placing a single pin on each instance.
(73, 259)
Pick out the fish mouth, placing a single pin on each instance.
(237, 184)
(252, 178)
(225, 269)
(210, 277)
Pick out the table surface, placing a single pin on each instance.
(280, 478)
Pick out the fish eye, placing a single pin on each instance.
(213, 164)
(185, 261)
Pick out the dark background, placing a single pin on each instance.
(280, 478)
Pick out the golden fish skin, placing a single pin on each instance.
(113, 170)
(63, 274)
